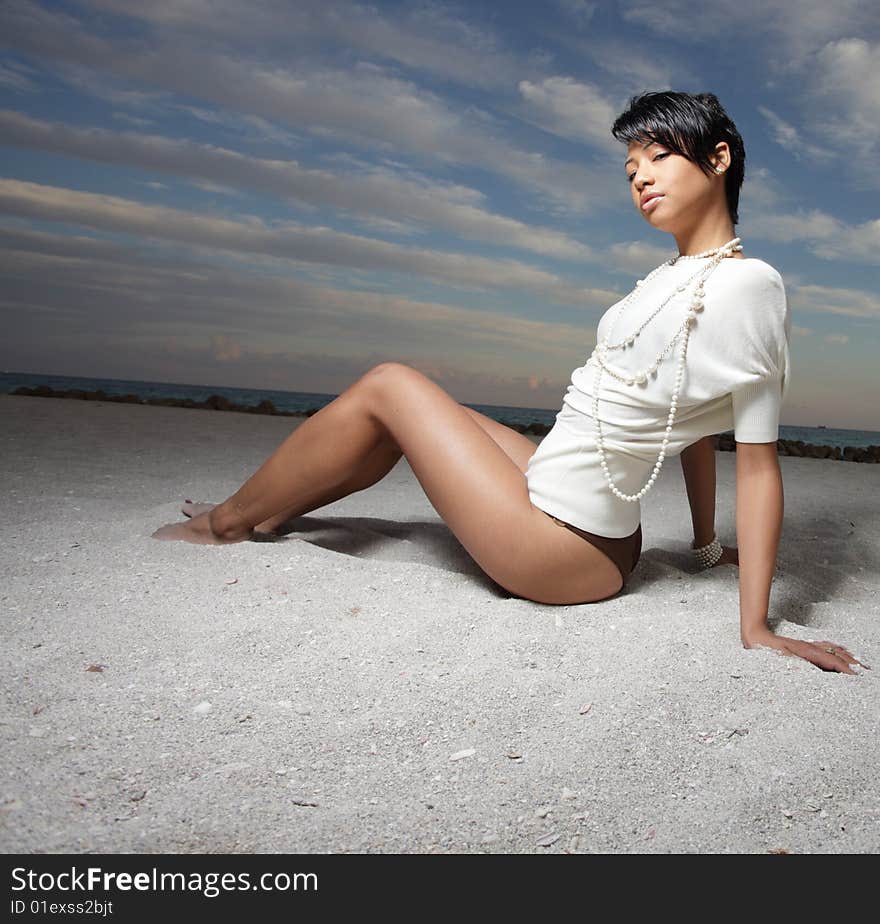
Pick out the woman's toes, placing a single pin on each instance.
(194, 510)
(168, 531)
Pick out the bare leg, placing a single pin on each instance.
(473, 484)
(518, 447)
(361, 459)
(374, 468)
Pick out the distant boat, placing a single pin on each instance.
(821, 427)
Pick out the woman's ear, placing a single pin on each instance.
(721, 160)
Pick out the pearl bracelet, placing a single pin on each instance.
(708, 555)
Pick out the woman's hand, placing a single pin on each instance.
(827, 655)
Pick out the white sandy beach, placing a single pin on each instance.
(360, 686)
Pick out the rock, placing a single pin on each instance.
(218, 403)
(547, 840)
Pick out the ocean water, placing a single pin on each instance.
(302, 401)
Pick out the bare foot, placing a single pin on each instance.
(191, 509)
(196, 530)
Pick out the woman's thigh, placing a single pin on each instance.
(482, 494)
(516, 446)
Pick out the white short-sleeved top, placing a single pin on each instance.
(736, 375)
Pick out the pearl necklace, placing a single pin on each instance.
(640, 378)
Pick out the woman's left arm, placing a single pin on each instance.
(759, 510)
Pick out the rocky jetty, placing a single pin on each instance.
(724, 442)
(211, 403)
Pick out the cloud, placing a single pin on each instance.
(13, 78)
(250, 235)
(799, 331)
(122, 117)
(848, 70)
(794, 32)
(579, 11)
(426, 37)
(236, 294)
(761, 191)
(572, 109)
(66, 295)
(371, 191)
(634, 71)
(788, 137)
(827, 237)
(362, 104)
(835, 300)
(633, 257)
(225, 349)
(845, 103)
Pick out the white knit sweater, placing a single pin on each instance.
(736, 376)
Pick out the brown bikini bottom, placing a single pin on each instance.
(624, 552)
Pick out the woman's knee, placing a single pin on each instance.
(387, 369)
(386, 379)
(381, 375)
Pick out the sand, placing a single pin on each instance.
(360, 686)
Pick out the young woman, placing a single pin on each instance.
(698, 347)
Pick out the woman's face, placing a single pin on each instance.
(678, 186)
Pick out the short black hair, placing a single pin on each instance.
(690, 125)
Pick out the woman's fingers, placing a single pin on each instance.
(841, 652)
(825, 656)
(816, 654)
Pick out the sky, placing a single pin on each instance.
(280, 194)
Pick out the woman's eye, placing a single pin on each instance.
(657, 157)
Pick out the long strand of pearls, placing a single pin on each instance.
(639, 378)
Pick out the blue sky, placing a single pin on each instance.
(283, 194)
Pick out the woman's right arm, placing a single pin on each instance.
(698, 467)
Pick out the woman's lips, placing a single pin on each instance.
(651, 203)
